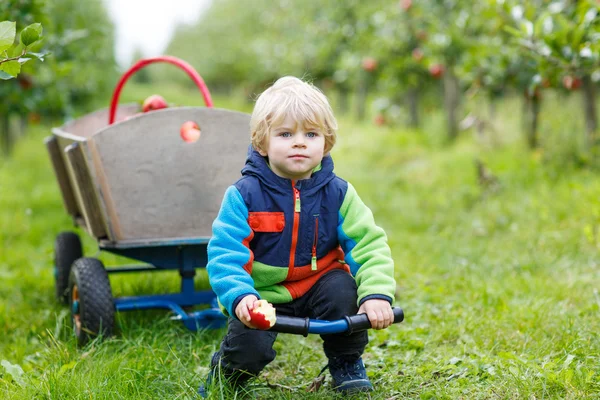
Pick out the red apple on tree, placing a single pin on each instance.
(405, 4)
(436, 70)
(263, 316)
(546, 83)
(190, 132)
(154, 102)
(571, 82)
(421, 35)
(25, 81)
(417, 54)
(369, 64)
(379, 120)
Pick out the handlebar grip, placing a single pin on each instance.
(360, 322)
(295, 325)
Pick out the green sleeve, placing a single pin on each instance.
(365, 247)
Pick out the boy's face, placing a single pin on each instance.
(294, 150)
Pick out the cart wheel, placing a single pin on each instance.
(67, 249)
(91, 301)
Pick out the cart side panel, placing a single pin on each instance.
(89, 124)
(154, 185)
(86, 190)
(62, 177)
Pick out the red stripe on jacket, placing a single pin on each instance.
(246, 242)
(303, 278)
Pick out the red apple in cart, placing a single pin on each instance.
(190, 132)
(262, 316)
(154, 102)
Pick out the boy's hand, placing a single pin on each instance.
(379, 312)
(242, 311)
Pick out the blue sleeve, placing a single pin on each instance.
(229, 252)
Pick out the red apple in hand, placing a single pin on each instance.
(262, 316)
(190, 131)
(154, 102)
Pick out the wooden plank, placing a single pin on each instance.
(61, 176)
(89, 201)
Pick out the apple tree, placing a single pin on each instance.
(563, 39)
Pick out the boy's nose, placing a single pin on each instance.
(299, 140)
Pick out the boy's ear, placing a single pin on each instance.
(261, 152)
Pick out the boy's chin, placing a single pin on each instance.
(295, 175)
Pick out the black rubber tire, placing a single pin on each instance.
(95, 312)
(67, 249)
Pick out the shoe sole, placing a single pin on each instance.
(359, 385)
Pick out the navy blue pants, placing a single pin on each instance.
(333, 296)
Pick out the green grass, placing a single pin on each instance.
(499, 285)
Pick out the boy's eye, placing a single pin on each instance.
(312, 134)
(285, 134)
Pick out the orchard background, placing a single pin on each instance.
(469, 127)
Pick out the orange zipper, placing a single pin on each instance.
(295, 229)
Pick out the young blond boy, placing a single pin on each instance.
(293, 233)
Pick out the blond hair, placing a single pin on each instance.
(290, 96)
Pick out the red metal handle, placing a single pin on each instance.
(141, 64)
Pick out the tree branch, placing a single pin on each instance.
(14, 58)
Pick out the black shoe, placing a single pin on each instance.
(203, 389)
(348, 375)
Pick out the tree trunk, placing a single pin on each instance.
(5, 133)
(413, 106)
(361, 98)
(344, 102)
(492, 108)
(451, 102)
(589, 109)
(532, 117)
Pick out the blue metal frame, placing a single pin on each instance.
(183, 255)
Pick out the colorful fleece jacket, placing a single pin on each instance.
(274, 238)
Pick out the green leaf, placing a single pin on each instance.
(40, 56)
(4, 76)
(538, 27)
(513, 31)
(67, 367)
(31, 34)
(8, 31)
(11, 67)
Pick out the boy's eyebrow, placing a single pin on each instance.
(307, 127)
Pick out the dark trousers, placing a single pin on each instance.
(332, 297)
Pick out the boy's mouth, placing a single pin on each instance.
(298, 156)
